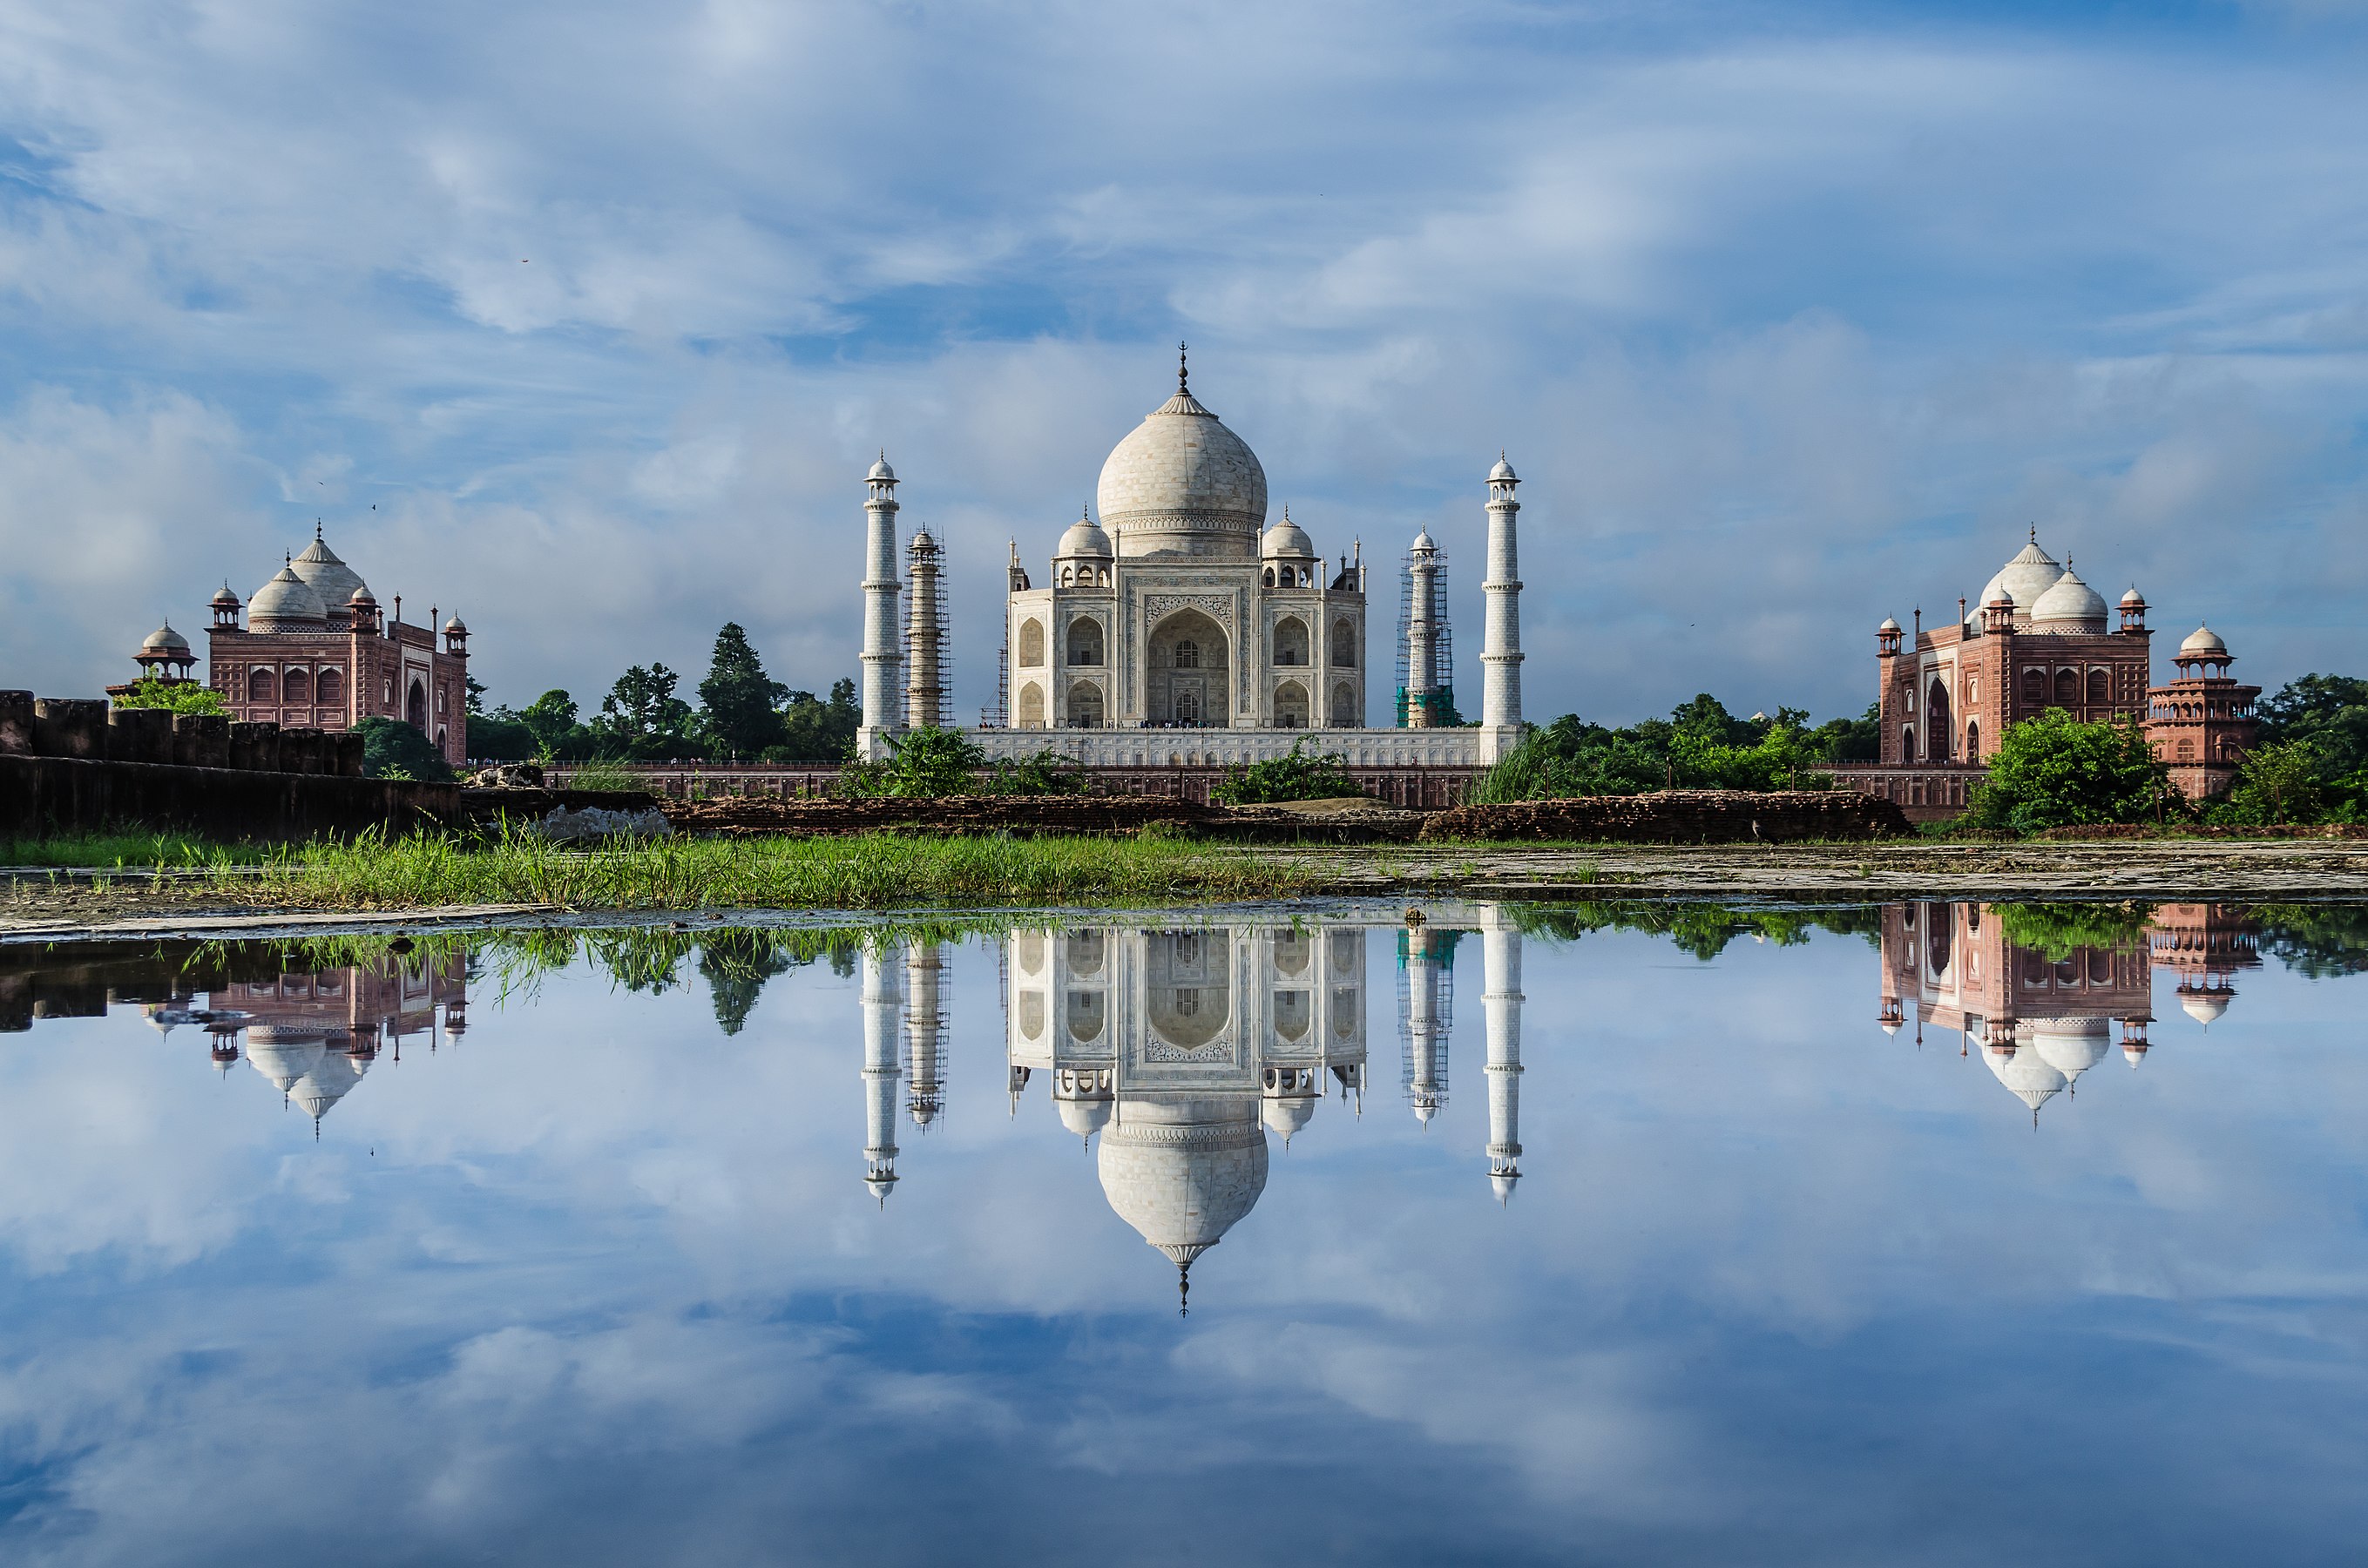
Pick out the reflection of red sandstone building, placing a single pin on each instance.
(2204, 945)
(2042, 1022)
(315, 1035)
(2203, 722)
(317, 653)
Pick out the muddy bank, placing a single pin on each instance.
(41, 903)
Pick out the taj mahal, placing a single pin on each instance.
(1185, 626)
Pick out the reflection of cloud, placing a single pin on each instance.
(601, 1284)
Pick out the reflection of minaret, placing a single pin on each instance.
(880, 1072)
(1501, 965)
(925, 969)
(1424, 953)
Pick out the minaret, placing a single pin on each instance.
(1422, 634)
(880, 589)
(1501, 963)
(1500, 656)
(925, 638)
(880, 1072)
(924, 969)
(1425, 1029)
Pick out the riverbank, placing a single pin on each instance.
(432, 878)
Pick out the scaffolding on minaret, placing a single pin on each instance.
(928, 673)
(1425, 661)
(1426, 1015)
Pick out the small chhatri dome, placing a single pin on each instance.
(1286, 538)
(1423, 541)
(363, 597)
(1503, 472)
(166, 640)
(2070, 605)
(2133, 599)
(2202, 641)
(1889, 624)
(455, 627)
(2031, 574)
(287, 600)
(1084, 538)
(226, 600)
(880, 472)
(328, 576)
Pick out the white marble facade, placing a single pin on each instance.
(1178, 628)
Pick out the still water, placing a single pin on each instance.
(1920, 1234)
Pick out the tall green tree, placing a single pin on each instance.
(739, 700)
(2056, 771)
(642, 716)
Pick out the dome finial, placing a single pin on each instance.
(1183, 374)
(316, 531)
(2035, 533)
(1184, 1289)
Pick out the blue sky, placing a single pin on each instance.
(1791, 317)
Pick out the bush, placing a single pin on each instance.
(1300, 775)
(2056, 771)
(925, 763)
(493, 738)
(393, 749)
(1046, 773)
(2277, 783)
(173, 695)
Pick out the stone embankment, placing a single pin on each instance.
(75, 766)
(1677, 816)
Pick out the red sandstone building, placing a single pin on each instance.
(317, 653)
(2039, 638)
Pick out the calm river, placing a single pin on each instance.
(1924, 1233)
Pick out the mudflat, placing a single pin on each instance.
(39, 903)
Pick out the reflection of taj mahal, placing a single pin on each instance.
(1178, 1053)
(1184, 626)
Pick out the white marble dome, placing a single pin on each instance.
(166, 640)
(2203, 641)
(1183, 1172)
(286, 602)
(1287, 538)
(1084, 538)
(326, 575)
(2204, 1006)
(332, 1077)
(2069, 605)
(2072, 1045)
(1183, 485)
(2031, 574)
(283, 1053)
(1083, 1117)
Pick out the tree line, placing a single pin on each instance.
(743, 715)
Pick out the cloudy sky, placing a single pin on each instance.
(584, 319)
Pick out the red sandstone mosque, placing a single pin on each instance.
(318, 653)
(2038, 638)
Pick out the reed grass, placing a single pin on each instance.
(873, 871)
(128, 851)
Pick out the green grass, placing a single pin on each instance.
(123, 851)
(873, 871)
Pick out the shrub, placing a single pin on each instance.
(173, 695)
(393, 749)
(1300, 775)
(1046, 773)
(2056, 771)
(926, 763)
(2277, 783)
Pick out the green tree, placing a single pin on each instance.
(926, 762)
(2330, 712)
(173, 695)
(818, 729)
(2277, 783)
(643, 718)
(2056, 771)
(551, 720)
(738, 698)
(393, 749)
